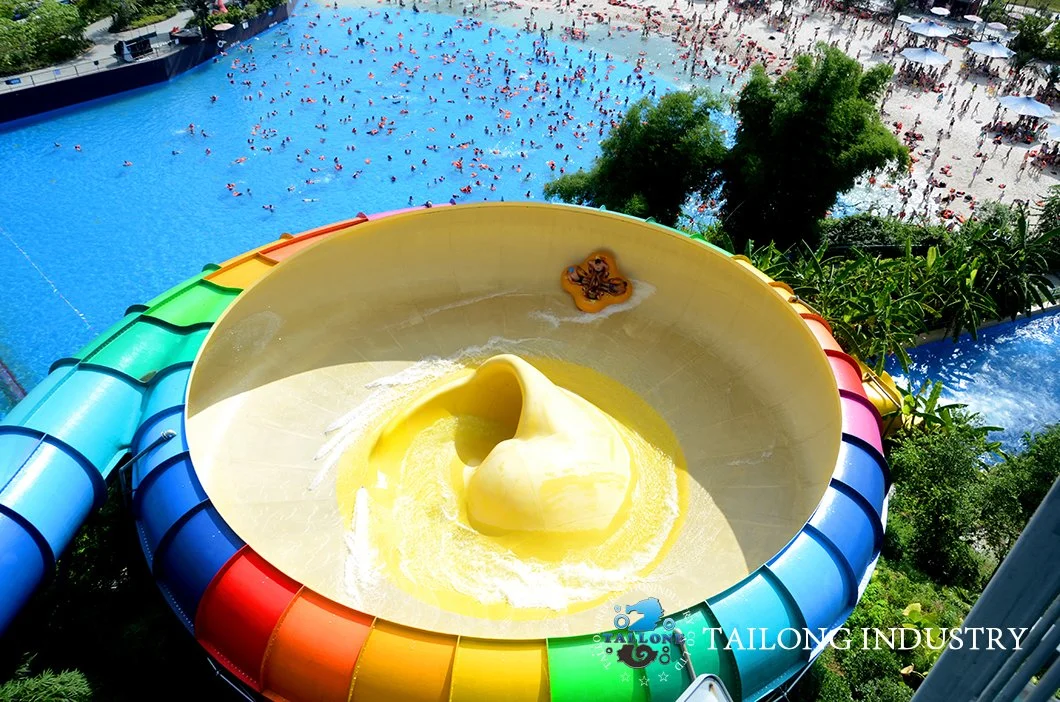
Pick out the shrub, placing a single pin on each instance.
(148, 20)
(1013, 489)
(889, 592)
(886, 690)
(937, 478)
(47, 686)
(834, 689)
(878, 234)
(821, 683)
(862, 665)
(52, 32)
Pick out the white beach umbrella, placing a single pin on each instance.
(930, 29)
(997, 26)
(991, 49)
(940, 11)
(906, 18)
(1025, 105)
(973, 18)
(927, 57)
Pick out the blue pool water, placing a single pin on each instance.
(82, 236)
(1010, 374)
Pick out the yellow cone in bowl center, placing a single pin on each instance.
(511, 489)
(564, 468)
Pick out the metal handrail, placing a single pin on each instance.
(125, 472)
(55, 74)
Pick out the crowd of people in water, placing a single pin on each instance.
(544, 97)
(541, 98)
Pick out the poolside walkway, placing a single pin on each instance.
(100, 56)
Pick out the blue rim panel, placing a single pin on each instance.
(43, 390)
(851, 525)
(772, 609)
(24, 561)
(818, 581)
(166, 392)
(184, 538)
(195, 549)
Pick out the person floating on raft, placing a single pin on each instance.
(596, 283)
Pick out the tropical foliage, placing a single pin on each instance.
(46, 686)
(1015, 489)
(1013, 261)
(802, 140)
(653, 161)
(878, 303)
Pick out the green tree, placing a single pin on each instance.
(1014, 488)
(994, 11)
(1050, 73)
(15, 9)
(16, 50)
(1031, 42)
(123, 13)
(50, 33)
(898, 7)
(656, 157)
(53, 22)
(801, 141)
(1048, 220)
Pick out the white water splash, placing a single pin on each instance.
(641, 292)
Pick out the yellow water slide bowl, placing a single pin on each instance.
(412, 424)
